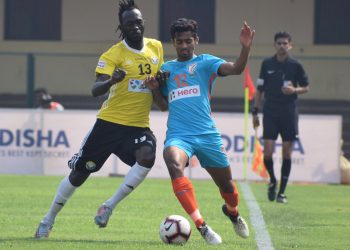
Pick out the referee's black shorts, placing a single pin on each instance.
(108, 138)
(282, 120)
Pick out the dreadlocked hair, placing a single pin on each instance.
(125, 5)
(183, 25)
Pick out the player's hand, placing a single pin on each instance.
(256, 122)
(288, 88)
(151, 83)
(162, 76)
(118, 75)
(247, 35)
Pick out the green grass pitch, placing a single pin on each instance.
(316, 217)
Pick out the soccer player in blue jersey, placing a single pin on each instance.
(191, 129)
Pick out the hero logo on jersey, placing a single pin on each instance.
(192, 68)
(101, 64)
(135, 85)
(190, 91)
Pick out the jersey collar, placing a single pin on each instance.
(134, 50)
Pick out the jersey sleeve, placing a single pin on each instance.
(302, 77)
(260, 82)
(107, 63)
(214, 63)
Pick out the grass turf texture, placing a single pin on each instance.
(316, 217)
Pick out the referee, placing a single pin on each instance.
(282, 78)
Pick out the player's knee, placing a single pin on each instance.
(146, 157)
(77, 178)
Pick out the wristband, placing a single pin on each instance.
(255, 111)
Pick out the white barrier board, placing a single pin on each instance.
(42, 141)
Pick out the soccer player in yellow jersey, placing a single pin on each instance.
(122, 125)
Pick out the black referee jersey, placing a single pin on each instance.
(273, 74)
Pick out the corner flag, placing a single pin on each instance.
(258, 165)
(248, 83)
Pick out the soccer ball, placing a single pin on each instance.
(175, 229)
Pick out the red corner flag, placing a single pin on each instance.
(258, 165)
(248, 83)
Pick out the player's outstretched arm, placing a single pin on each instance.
(104, 82)
(246, 40)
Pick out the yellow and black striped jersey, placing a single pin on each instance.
(128, 103)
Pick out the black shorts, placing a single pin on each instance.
(108, 138)
(283, 121)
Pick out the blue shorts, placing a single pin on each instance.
(208, 148)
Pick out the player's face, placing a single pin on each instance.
(133, 25)
(184, 43)
(282, 46)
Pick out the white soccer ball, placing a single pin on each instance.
(175, 229)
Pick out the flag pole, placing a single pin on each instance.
(246, 131)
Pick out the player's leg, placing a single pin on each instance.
(138, 151)
(212, 157)
(176, 159)
(270, 133)
(289, 133)
(176, 156)
(229, 192)
(89, 159)
(287, 147)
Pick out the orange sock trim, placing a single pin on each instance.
(231, 200)
(184, 192)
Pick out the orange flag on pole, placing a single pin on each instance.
(258, 165)
(248, 83)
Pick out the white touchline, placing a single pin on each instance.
(262, 236)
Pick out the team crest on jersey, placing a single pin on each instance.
(136, 85)
(192, 68)
(101, 64)
(155, 60)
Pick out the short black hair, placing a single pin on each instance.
(125, 5)
(183, 25)
(283, 34)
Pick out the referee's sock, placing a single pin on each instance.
(286, 167)
(269, 167)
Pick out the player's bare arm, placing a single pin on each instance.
(104, 82)
(153, 83)
(246, 40)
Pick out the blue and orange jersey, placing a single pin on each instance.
(188, 90)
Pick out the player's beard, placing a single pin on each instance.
(185, 54)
